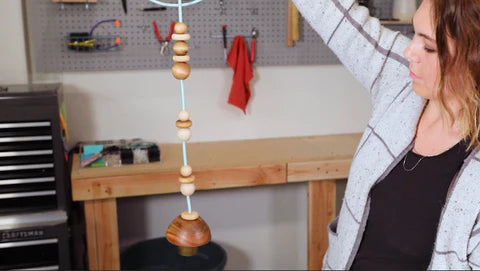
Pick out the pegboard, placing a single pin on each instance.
(50, 25)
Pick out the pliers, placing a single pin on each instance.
(164, 47)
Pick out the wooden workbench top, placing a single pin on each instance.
(220, 164)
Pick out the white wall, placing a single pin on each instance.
(13, 69)
(261, 228)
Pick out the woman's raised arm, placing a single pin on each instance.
(371, 52)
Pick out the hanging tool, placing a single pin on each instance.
(164, 47)
(124, 5)
(152, 9)
(289, 24)
(222, 7)
(86, 41)
(224, 33)
(292, 24)
(252, 44)
(114, 21)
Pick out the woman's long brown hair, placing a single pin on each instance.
(457, 25)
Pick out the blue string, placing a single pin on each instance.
(189, 205)
(175, 5)
(184, 149)
(180, 17)
(182, 87)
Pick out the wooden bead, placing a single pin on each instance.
(187, 189)
(188, 233)
(181, 70)
(186, 171)
(180, 28)
(190, 216)
(184, 124)
(181, 37)
(189, 179)
(187, 251)
(181, 58)
(184, 134)
(183, 115)
(180, 48)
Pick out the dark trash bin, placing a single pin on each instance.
(159, 254)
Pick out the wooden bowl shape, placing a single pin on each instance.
(188, 234)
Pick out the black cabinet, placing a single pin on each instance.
(34, 186)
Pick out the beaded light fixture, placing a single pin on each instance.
(188, 231)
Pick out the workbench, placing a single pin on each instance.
(318, 160)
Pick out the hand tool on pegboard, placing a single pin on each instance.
(293, 32)
(88, 42)
(164, 43)
(124, 6)
(152, 9)
(224, 33)
(253, 44)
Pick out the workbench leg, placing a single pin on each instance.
(321, 210)
(102, 234)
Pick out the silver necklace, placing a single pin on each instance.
(410, 169)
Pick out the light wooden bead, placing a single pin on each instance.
(189, 179)
(181, 70)
(186, 171)
(181, 37)
(187, 189)
(184, 134)
(181, 58)
(189, 216)
(184, 124)
(183, 115)
(180, 28)
(180, 48)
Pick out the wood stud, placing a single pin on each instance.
(180, 28)
(186, 171)
(183, 115)
(181, 70)
(189, 179)
(184, 134)
(181, 37)
(189, 216)
(181, 58)
(180, 48)
(187, 189)
(183, 124)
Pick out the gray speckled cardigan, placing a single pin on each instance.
(374, 56)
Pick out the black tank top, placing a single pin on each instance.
(405, 210)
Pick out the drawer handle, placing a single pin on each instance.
(24, 124)
(29, 243)
(29, 180)
(21, 167)
(25, 153)
(51, 267)
(24, 138)
(27, 194)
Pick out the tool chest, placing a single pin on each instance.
(32, 163)
(34, 197)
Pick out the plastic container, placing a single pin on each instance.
(159, 254)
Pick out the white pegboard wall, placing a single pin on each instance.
(50, 26)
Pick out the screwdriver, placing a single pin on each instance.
(224, 32)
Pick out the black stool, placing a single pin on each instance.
(159, 254)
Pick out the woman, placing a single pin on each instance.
(413, 194)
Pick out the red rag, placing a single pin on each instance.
(242, 74)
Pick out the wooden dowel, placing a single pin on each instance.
(289, 24)
(295, 23)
